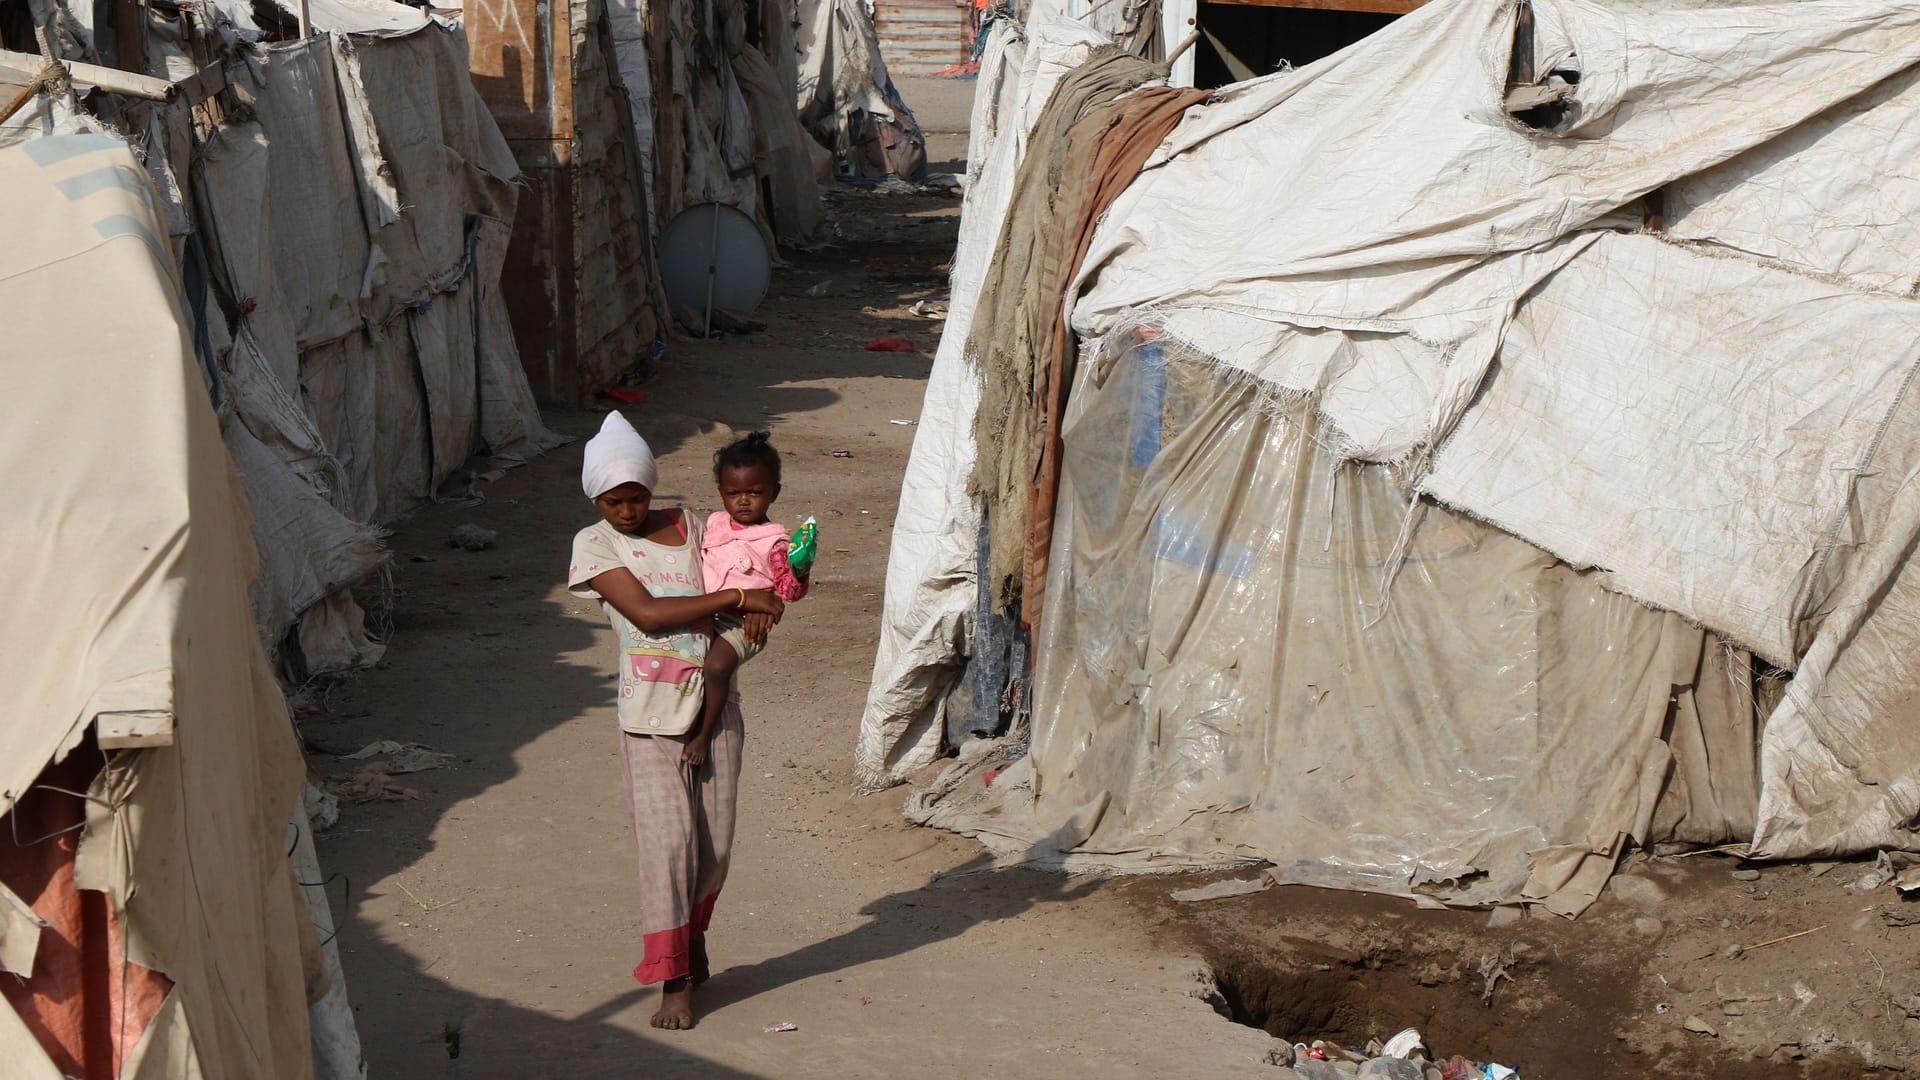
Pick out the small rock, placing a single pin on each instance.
(1281, 1055)
(1746, 875)
(1648, 927)
(1700, 1027)
(1734, 951)
(788, 764)
(1638, 891)
(472, 538)
(1316, 1070)
(766, 776)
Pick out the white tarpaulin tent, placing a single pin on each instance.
(128, 629)
(1662, 328)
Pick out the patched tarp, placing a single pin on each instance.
(1655, 333)
(126, 561)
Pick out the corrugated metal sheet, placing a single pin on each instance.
(921, 37)
(579, 274)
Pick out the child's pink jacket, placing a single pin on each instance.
(735, 556)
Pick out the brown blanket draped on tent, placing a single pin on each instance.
(1098, 124)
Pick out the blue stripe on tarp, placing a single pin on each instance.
(102, 179)
(57, 148)
(114, 226)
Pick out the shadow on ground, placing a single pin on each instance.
(482, 665)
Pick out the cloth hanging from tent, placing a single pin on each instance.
(1087, 147)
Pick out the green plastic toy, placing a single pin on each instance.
(800, 549)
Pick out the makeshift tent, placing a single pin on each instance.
(846, 97)
(1450, 421)
(342, 206)
(725, 84)
(150, 921)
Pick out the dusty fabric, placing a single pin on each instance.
(683, 823)
(660, 674)
(85, 1005)
(847, 99)
(185, 841)
(1020, 343)
(617, 455)
(931, 590)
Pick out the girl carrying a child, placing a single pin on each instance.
(681, 770)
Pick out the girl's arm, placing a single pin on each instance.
(655, 614)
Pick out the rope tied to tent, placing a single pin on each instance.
(53, 79)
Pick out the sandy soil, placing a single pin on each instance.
(489, 928)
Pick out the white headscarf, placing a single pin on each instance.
(618, 455)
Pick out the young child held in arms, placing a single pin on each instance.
(741, 549)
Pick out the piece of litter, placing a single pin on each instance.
(1221, 889)
(471, 538)
(891, 344)
(903, 423)
(843, 453)
(784, 1025)
(401, 757)
(820, 290)
(865, 1000)
(1403, 1045)
(626, 395)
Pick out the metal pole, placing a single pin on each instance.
(713, 266)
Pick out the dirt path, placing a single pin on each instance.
(490, 931)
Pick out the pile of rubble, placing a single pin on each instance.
(1402, 1057)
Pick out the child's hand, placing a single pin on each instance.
(757, 626)
(695, 753)
(764, 602)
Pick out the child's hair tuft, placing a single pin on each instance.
(755, 449)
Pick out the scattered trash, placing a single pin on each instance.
(369, 785)
(323, 808)
(1281, 1055)
(402, 758)
(987, 778)
(784, 1025)
(1662, 1009)
(472, 538)
(1459, 1068)
(820, 290)
(1221, 889)
(1493, 969)
(865, 1000)
(1315, 1053)
(843, 453)
(626, 395)
(943, 181)
(1785, 937)
(1700, 1027)
(928, 309)
(1909, 880)
(1403, 1045)
(1901, 916)
(891, 344)
(1499, 1072)
(903, 423)
(1819, 869)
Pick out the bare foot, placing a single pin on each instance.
(676, 1006)
(701, 970)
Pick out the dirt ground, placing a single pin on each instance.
(488, 926)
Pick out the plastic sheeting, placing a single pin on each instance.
(1221, 676)
(1716, 416)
